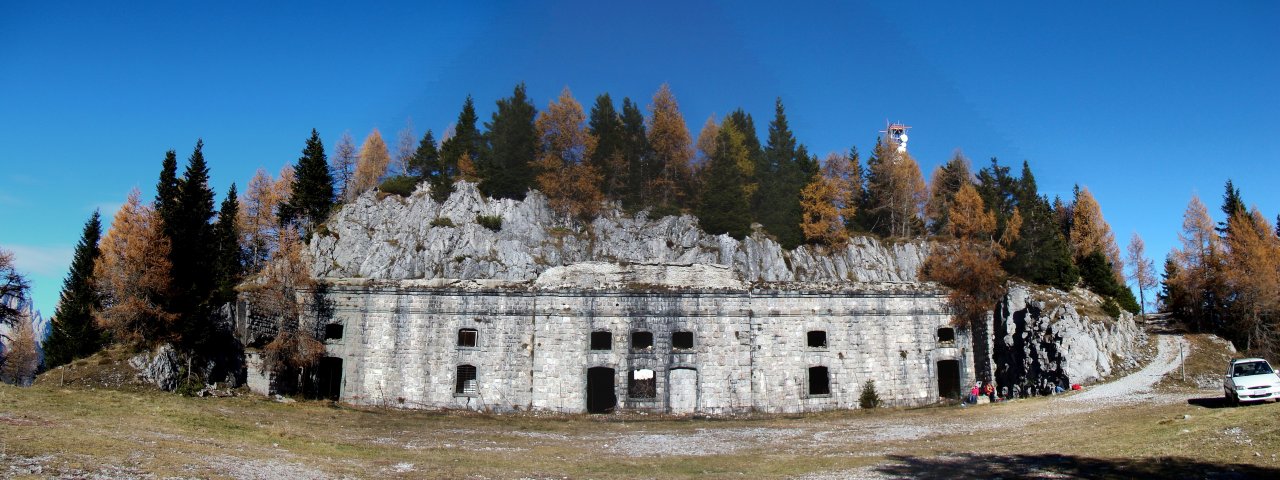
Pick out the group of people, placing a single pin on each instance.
(989, 390)
(978, 389)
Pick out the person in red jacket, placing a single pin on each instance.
(990, 390)
(974, 392)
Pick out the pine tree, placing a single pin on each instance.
(827, 202)
(744, 124)
(895, 193)
(343, 166)
(134, 274)
(667, 176)
(636, 155)
(312, 195)
(75, 335)
(1232, 204)
(723, 207)
(427, 165)
(608, 158)
(1142, 269)
(12, 285)
(507, 169)
(167, 193)
(229, 264)
(947, 180)
(372, 164)
(787, 170)
(466, 141)
(191, 239)
(565, 172)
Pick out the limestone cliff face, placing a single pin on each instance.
(1041, 339)
(397, 238)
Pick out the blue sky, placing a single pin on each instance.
(1144, 106)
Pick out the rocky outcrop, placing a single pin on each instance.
(388, 237)
(1041, 339)
(159, 367)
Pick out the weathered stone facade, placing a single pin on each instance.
(750, 348)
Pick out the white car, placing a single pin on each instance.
(1250, 379)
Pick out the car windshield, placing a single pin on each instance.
(1251, 368)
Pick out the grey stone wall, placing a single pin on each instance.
(750, 352)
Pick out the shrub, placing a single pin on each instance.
(869, 398)
(442, 222)
(399, 185)
(491, 222)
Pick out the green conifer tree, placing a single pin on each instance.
(507, 170)
(427, 165)
(466, 140)
(635, 153)
(742, 121)
(788, 168)
(723, 205)
(312, 195)
(605, 124)
(229, 264)
(191, 236)
(74, 334)
(167, 189)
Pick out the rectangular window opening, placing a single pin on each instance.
(682, 341)
(601, 340)
(642, 384)
(817, 339)
(466, 383)
(641, 341)
(333, 331)
(946, 335)
(467, 337)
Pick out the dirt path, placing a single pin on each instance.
(1137, 387)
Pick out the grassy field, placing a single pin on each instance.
(73, 428)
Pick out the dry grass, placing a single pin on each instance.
(83, 430)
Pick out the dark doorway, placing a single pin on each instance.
(819, 381)
(949, 379)
(601, 397)
(329, 378)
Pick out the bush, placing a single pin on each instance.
(399, 185)
(1109, 306)
(442, 222)
(869, 398)
(491, 222)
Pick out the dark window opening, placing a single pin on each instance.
(601, 397)
(819, 382)
(333, 331)
(467, 337)
(946, 335)
(817, 339)
(641, 341)
(682, 340)
(466, 383)
(642, 384)
(601, 341)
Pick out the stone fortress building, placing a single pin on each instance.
(653, 349)
(427, 308)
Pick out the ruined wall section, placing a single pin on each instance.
(750, 348)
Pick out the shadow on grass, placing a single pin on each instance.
(1065, 466)
(1209, 402)
(1221, 402)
